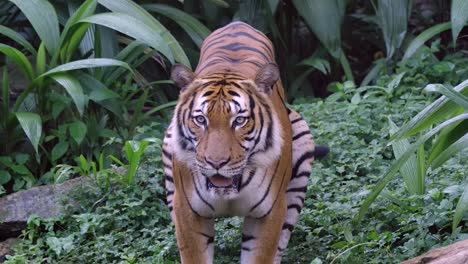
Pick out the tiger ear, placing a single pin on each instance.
(266, 77)
(182, 76)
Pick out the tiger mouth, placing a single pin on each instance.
(218, 181)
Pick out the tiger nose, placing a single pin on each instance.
(217, 162)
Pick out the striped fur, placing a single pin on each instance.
(231, 121)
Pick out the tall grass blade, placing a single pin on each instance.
(18, 38)
(427, 34)
(446, 138)
(395, 167)
(460, 210)
(135, 28)
(42, 16)
(194, 28)
(449, 93)
(433, 113)
(409, 170)
(459, 145)
(458, 17)
(393, 20)
(134, 10)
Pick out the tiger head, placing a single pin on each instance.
(226, 125)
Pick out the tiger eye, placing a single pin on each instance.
(240, 120)
(200, 120)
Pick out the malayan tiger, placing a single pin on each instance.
(233, 148)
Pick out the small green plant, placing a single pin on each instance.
(133, 151)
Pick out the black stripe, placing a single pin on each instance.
(301, 174)
(251, 174)
(295, 206)
(245, 248)
(169, 178)
(288, 226)
(233, 93)
(298, 189)
(167, 166)
(296, 120)
(245, 34)
(186, 197)
(267, 191)
(208, 93)
(169, 193)
(170, 208)
(246, 238)
(305, 156)
(201, 198)
(167, 154)
(307, 132)
(236, 46)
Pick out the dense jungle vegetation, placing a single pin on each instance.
(85, 91)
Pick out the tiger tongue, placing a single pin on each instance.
(220, 181)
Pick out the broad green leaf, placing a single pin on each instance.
(19, 58)
(449, 93)
(320, 64)
(97, 90)
(31, 124)
(459, 145)
(196, 30)
(85, 10)
(75, 40)
(460, 210)
(5, 177)
(409, 170)
(78, 131)
(73, 88)
(392, 16)
(84, 64)
(324, 18)
(458, 17)
(18, 38)
(42, 16)
(134, 10)
(133, 27)
(395, 167)
(130, 54)
(427, 34)
(59, 150)
(433, 113)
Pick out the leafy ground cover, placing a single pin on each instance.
(131, 224)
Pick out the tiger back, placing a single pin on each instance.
(233, 148)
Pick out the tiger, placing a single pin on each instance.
(233, 148)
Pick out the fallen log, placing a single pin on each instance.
(453, 254)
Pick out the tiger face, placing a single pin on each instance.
(226, 126)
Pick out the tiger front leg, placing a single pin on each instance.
(260, 236)
(195, 234)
